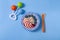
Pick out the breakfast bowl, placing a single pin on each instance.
(31, 21)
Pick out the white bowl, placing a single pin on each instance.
(38, 21)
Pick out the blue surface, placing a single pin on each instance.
(13, 30)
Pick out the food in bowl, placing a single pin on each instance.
(29, 21)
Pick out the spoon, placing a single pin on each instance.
(43, 22)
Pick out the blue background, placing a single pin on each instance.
(13, 30)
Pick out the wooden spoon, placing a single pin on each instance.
(43, 22)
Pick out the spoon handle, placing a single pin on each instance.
(43, 23)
